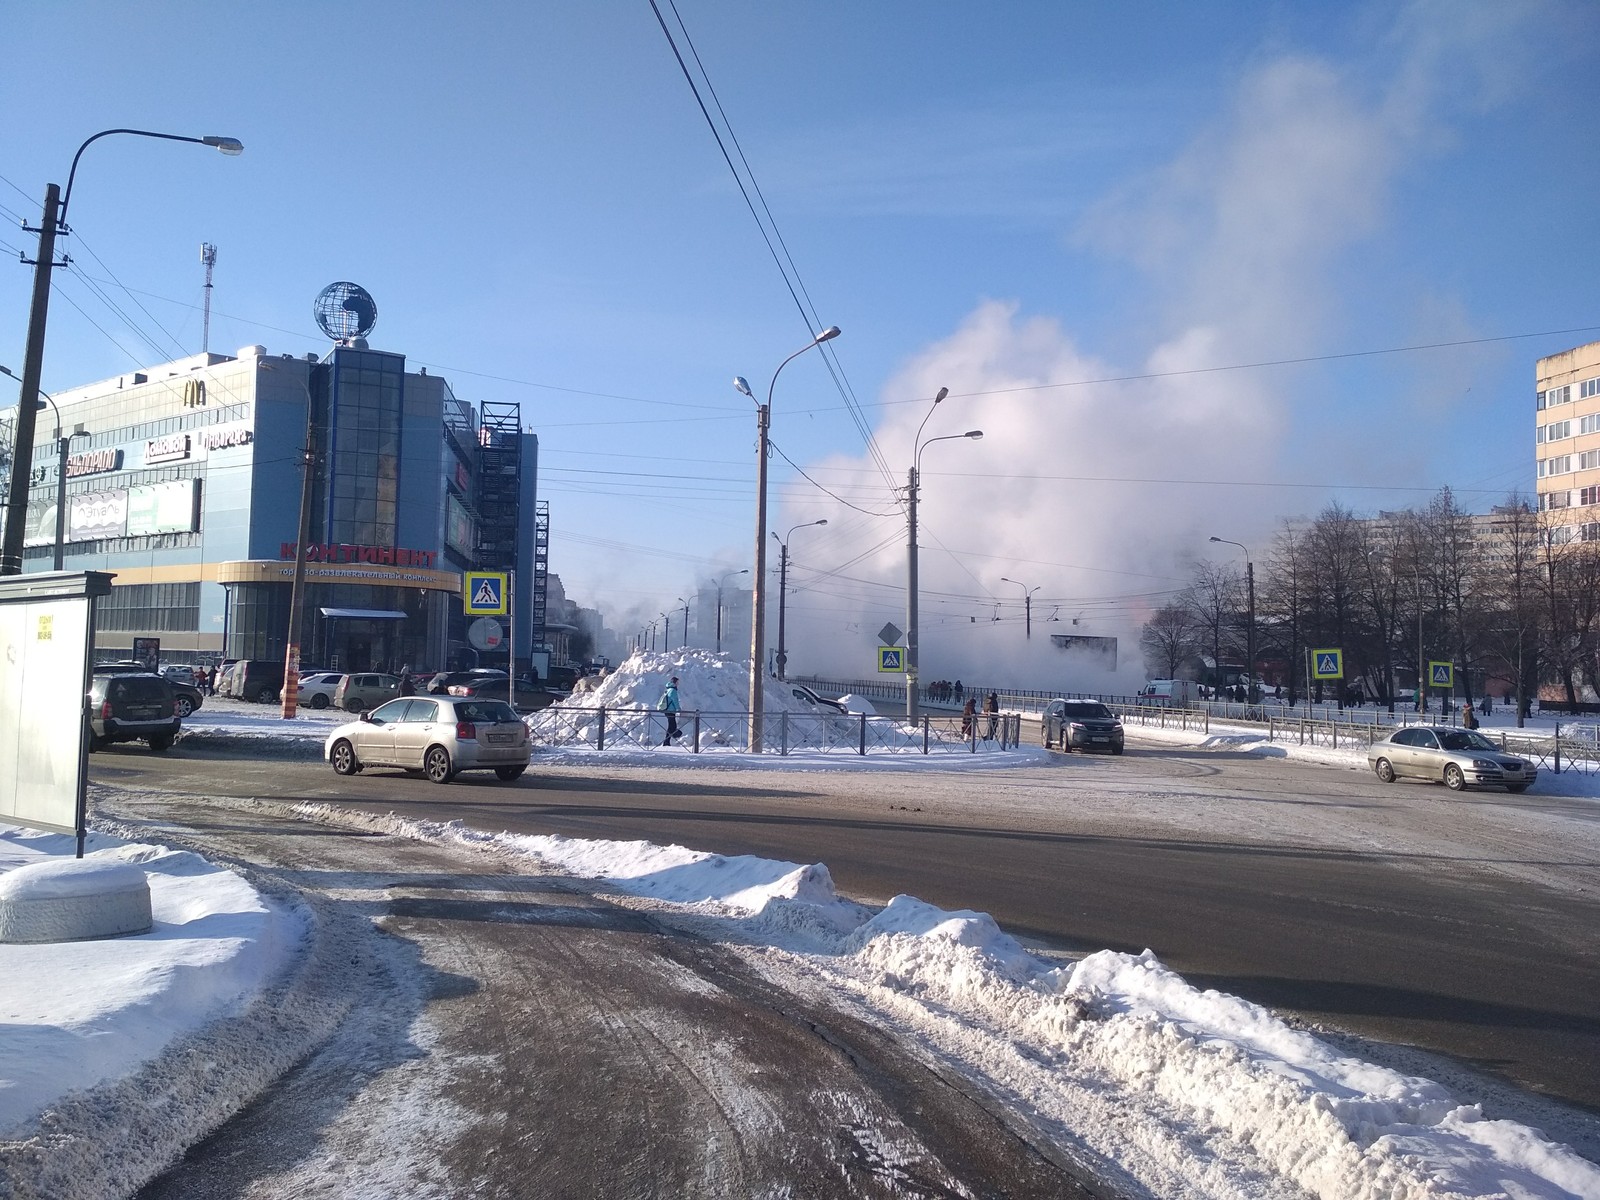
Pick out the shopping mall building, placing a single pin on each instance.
(186, 484)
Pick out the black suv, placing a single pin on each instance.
(1081, 725)
(131, 708)
(189, 697)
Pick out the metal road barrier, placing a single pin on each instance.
(646, 729)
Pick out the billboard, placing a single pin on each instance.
(94, 515)
(1094, 651)
(163, 507)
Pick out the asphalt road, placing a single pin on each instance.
(1454, 954)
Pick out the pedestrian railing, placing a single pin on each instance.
(604, 728)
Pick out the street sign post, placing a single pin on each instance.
(484, 594)
(1327, 664)
(891, 658)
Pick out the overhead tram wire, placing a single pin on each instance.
(174, 342)
(778, 450)
(791, 275)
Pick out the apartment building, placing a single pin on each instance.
(1567, 442)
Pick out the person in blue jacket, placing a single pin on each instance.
(669, 704)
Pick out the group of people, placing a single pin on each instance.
(991, 710)
(943, 689)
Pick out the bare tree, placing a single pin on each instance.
(1281, 601)
(1215, 600)
(1509, 595)
(1169, 639)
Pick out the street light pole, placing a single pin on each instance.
(913, 482)
(1027, 604)
(1250, 631)
(53, 220)
(783, 589)
(63, 443)
(683, 642)
(758, 599)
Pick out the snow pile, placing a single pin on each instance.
(707, 682)
(77, 1014)
(1219, 1085)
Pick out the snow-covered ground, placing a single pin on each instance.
(1188, 1091)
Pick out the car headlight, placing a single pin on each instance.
(1075, 725)
(1485, 764)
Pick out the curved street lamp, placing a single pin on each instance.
(63, 443)
(783, 586)
(1250, 630)
(1027, 602)
(684, 642)
(54, 220)
(758, 601)
(912, 480)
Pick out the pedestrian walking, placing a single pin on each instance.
(991, 706)
(669, 704)
(969, 713)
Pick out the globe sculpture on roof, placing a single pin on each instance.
(345, 311)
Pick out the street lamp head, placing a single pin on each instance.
(824, 521)
(975, 434)
(229, 146)
(828, 334)
(740, 385)
(943, 392)
(1214, 538)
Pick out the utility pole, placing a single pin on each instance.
(911, 589)
(291, 655)
(32, 369)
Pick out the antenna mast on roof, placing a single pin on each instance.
(208, 255)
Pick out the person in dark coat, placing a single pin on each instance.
(969, 713)
(992, 707)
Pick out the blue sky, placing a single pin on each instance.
(1007, 200)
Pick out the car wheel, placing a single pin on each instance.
(354, 706)
(1116, 749)
(266, 696)
(1453, 778)
(96, 742)
(1384, 769)
(343, 758)
(507, 774)
(161, 743)
(319, 701)
(437, 765)
(184, 706)
(1516, 788)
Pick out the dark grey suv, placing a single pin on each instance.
(131, 708)
(1082, 725)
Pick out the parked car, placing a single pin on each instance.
(821, 703)
(1081, 725)
(258, 679)
(189, 697)
(131, 706)
(489, 683)
(357, 693)
(562, 679)
(180, 673)
(316, 689)
(438, 736)
(1458, 758)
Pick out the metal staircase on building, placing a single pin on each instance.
(498, 491)
(541, 569)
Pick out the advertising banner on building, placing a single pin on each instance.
(94, 515)
(163, 507)
(40, 527)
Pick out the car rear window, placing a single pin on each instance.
(487, 711)
(138, 688)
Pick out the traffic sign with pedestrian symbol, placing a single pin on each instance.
(891, 658)
(484, 593)
(1327, 664)
(1441, 674)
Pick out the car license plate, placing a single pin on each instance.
(1100, 739)
(499, 737)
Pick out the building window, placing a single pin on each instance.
(1589, 460)
(1590, 532)
(1589, 495)
(1552, 500)
(172, 607)
(1557, 430)
(1588, 388)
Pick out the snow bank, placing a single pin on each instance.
(1240, 1097)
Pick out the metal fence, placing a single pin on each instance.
(781, 732)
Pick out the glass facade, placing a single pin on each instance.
(364, 447)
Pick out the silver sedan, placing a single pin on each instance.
(437, 736)
(1458, 758)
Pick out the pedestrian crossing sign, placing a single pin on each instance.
(1327, 664)
(1441, 674)
(891, 658)
(484, 593)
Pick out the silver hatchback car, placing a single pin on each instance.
(1455, 757)
(437, 736)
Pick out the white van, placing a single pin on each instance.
(1170, 693)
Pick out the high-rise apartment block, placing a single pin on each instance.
(1567, 443)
